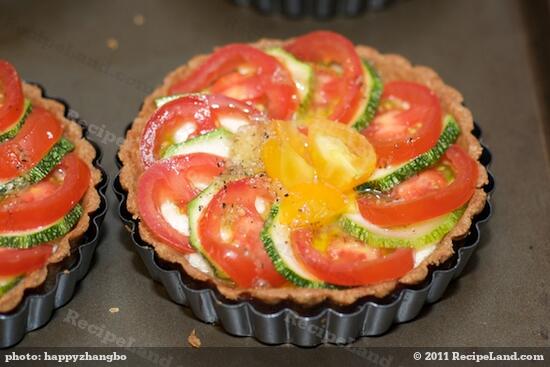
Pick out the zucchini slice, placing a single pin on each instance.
(276, 239)
(8, 283)
(217, 142)
(416, 235)
(10, 132)
(384, 179)
(161, 101)
(301, 73)
(194, 213)
(370, 99)
(56, 230)
(40, 171)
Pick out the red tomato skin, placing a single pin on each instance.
(14, 262)
(40, 133)
(193, 108)
(202, 110)
(275, 81)
(325, 47)
(13, 104)
(355, 269)
(424, 108)
(244, 259)
(16, 216)
(431, 205)
(168, 179)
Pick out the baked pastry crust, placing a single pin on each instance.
(390, 67)
(90, 202)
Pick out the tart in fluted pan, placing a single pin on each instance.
(303, 170)
(47, 184)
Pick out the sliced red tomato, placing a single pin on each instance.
(15, 262)
(241, 87)
(230, 229)
(339, 75)
(263, 78)
(348, 262)
(174, 182)
(425, 196)
(35, 139)
(11, 96)
(47, 201)
(190, 116)
(408, 123)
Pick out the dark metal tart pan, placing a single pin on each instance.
(321, 9)
(39, 304)
(291, 323)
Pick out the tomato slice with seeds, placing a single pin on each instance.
(344, 261)
(190, 116)
(35, 139)
(238, 86)
(339, 73)
(11, 96)
(230, 228)
(47, 201)
(254, 74)
(408, 123)
(425, 196)
(15, 262)
(165, 189)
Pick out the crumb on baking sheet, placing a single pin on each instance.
(139, 19)
(194, 340)
(114, 310)
(112, 43)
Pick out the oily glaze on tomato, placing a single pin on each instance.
(190, 116)
(285, 156)
(14, 262)
(175, 182)
(339, 76)
(408, 123)
(47, 201)
(35, 139)
(312, 203)
(11, 96)
(344, 261)
(425, 196)
(230, 228)
(340, 154)
(248, 74)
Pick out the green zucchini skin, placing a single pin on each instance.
(217, 142)
(40, 171)
(50, 233)
(194, 213)
(371, 97)
(11, 132)
(161, 101)
(448, 136)
(387, 241)
(278, 261)
(6, 287)
(301, 72)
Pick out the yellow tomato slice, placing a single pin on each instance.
(312, 203)
(286, 157)
(341, 155)
(288, 131)
(282, 162)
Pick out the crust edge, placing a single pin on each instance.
(390, 67)
(90, 201)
